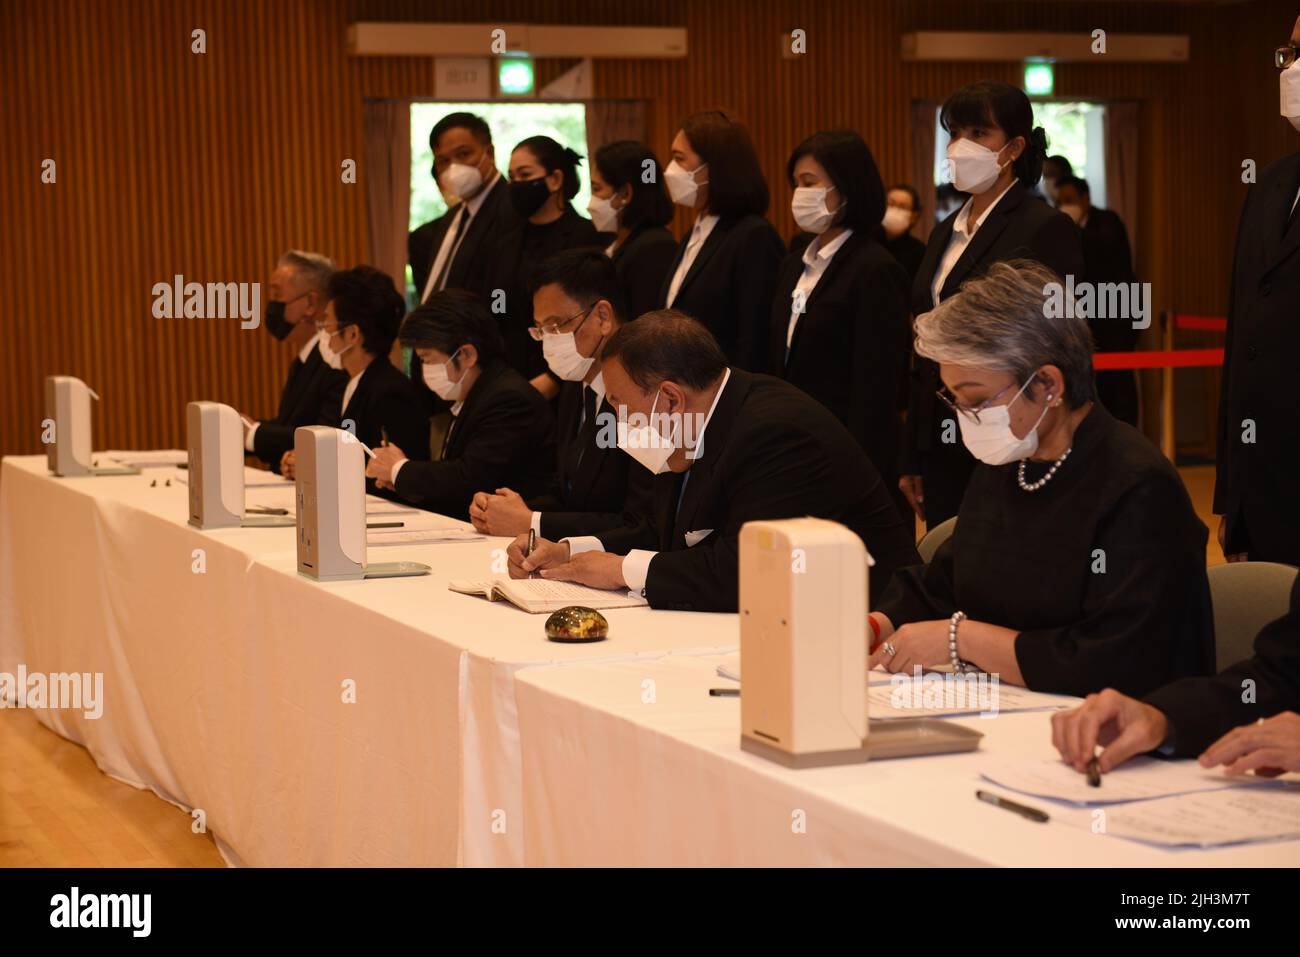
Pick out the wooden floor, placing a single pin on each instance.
(58, 810)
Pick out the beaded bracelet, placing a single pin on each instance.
(958, 665)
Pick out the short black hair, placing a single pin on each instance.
(627, 161)
(585, 274)
(910, 190)
(552, 156)
(467, 121)
(666, 345)
(852, 169)
(991, 102)
(1062, 162)
(1077, 182)
(736, 183)
(450, 319)
(367, 298)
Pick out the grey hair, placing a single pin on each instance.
(313, 267)
(1002, 322)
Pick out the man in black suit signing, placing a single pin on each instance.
(727, 447)
(1243, 718)
(1259, 429)
(313, 392)
(501, 429)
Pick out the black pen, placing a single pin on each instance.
(385, 524)
(532, 543)
(724, 692)
(1094, 773)
(265, 510)
(1006, 804)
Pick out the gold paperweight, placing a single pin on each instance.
(577, 624)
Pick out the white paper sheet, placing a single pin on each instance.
(420, 536)
(1138, 779)
(149, 459)
(948, 695)
(1210, 818)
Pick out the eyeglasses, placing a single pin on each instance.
(553, 328)
(970, 412)
(1284, 56)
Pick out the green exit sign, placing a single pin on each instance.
(1040, 78)
(515, 77)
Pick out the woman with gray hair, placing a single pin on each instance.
(1077, 562)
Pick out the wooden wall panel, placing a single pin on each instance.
(210, 166)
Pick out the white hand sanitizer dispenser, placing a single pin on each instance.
(804, 650)
(330, 479)
(215, 439)
(67, 404)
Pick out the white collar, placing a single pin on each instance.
(305, 352)
(699, 441)
(473, 204)
(597, 385)
(960, 222)
(819, 250)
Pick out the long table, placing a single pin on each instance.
(393, 722)
(227, 690)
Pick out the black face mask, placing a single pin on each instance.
(528, 195)
(275, 322)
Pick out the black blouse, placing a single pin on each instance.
(1101, 571)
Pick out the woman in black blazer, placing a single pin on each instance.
(996, 155)
(840, 327)
(637, 213)
(724, 272)
(379, 403)
(543, 179)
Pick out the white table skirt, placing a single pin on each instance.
(223, 690)
(614, 779)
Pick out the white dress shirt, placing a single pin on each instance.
(445, 251)
(703, 226)
(303, 353)
(960, 240)
(816, 258)
(636, 563)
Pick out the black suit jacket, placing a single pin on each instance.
(769, 452)
(311, 396)
(1202, 710)
(504, 436)
(851, 344)
(386, 403)
(642, 262)
(514, 255)
(597, 486)
(909, 251)
(1255, 485)
(494, 217)
(1019, 227)
(729, 286)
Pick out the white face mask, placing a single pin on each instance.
(1074, 212)
(460, 180)
(438, 379)
(974, 167)
(603, 214)
(562, 355)
(991, 440)
(332, 359)
(681, 184)
(809, 208)
(1290, 84)
(646, 445)
(897, 221)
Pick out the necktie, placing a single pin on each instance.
(451, 253)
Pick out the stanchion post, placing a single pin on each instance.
(1167, 443)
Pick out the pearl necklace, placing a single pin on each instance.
(1035, 486)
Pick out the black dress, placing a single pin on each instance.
(1101, 571)
(1108, 259)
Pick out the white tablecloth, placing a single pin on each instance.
(633, 763)
(224, 690)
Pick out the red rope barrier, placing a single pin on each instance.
(1204, 323)
(1174, 359)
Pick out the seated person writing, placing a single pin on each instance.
(356, 336)
(1077, 562)
(577, 306)
(1243, 718)
(501, 429)
(727, 447)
